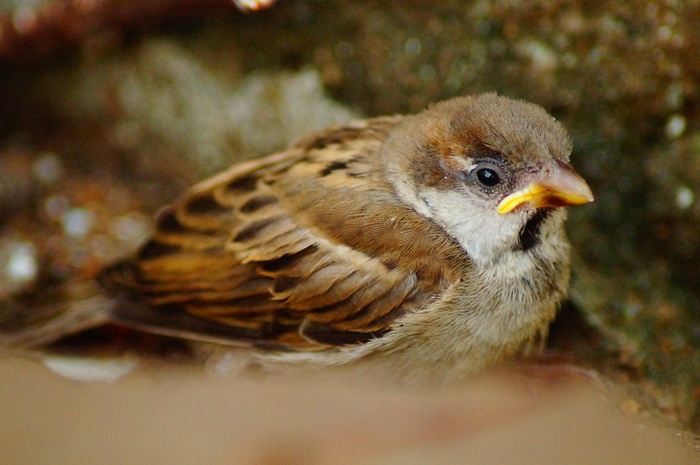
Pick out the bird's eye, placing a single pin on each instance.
(488, 177)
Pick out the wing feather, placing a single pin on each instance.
(291, 249)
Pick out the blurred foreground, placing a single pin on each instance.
(181, 418)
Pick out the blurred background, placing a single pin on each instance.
(109, 109)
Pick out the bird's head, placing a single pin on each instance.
(492, 171)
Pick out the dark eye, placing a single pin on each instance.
(488, 177)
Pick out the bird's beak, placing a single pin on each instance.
(557, 186)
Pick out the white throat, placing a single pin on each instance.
(482, 232)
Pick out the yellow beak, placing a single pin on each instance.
(558, 186)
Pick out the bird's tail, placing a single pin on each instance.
(45, 317)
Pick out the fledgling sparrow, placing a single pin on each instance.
(428, 245)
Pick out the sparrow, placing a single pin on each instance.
(430, 245)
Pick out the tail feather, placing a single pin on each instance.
(51, 315)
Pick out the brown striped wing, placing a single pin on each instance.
(289, 249)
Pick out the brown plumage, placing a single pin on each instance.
(433, 240)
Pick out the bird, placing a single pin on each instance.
(429, 246)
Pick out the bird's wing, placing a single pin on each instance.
(306, 248)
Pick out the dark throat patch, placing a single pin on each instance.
(529, 235)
